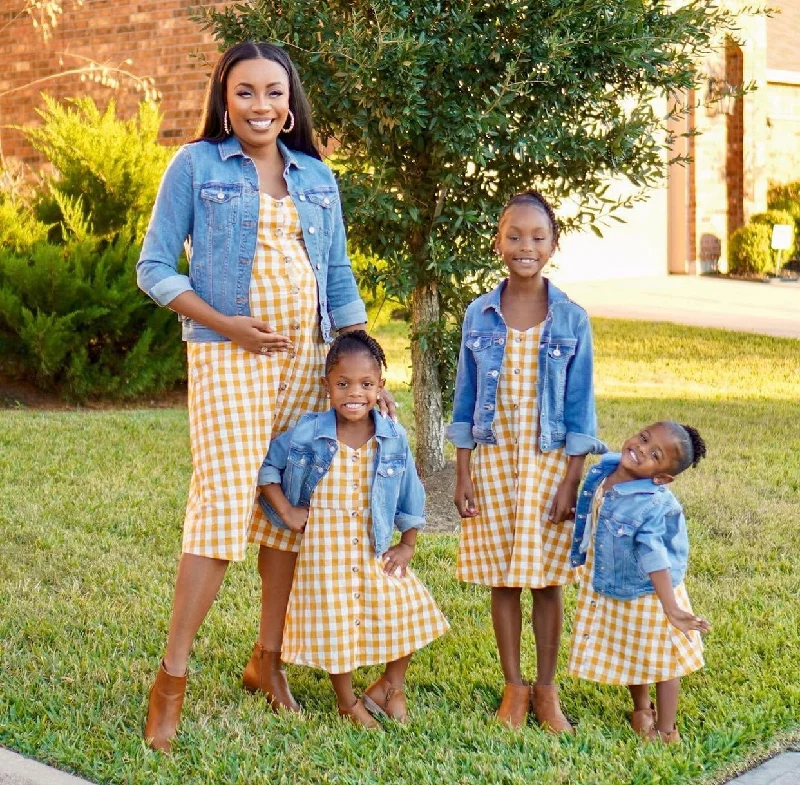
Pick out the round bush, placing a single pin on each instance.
(749, 250)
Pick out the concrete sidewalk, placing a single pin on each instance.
(702, 301)
(16, 770)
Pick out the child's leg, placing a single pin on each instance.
(386, 696)
(640, 693)
(265, 671)
(343, 687)
(548, 618)
(667, 704)
(643, 716)
(507, 623)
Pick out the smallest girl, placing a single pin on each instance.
(346, 478)
(634, 624)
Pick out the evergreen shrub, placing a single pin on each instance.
(749, 250)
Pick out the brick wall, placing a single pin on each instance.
(157, 37)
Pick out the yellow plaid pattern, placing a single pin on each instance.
(344, 611)
(628, 641)
(238, 400)
(511, 543)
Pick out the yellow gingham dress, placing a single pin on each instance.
(510, 543)
(344, 611)
(628, 641)
(238, 400)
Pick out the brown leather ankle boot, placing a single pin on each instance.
(164, 711)
(547, 710)
(513, 709)
(266, 673)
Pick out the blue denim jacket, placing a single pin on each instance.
(565, 389)
(210, 195)
(299, 458)
(641, 529)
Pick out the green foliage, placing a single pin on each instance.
(19, 227)
(108, 170)
(73, 320)
(749, 250)
(442, 110)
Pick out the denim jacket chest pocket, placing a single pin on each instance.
(222, 204)
(323, 200)
(616, 541)
(302, 471)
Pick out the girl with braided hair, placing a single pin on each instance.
(345, 479)
(634, 624)
(523, 423)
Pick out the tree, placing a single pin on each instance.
(443, 109)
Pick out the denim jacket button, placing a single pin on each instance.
(390, 472)
(556, 352)
(302, 197)
(220, 195)
(494, 374)
(311, 230)
(319, 266)
(326, 201)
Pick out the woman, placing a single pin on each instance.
(269, 279)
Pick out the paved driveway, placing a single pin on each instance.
(769, 308)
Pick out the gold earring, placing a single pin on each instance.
(226, 124)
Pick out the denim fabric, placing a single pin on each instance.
(641, 529)
(209, 200)
(565, 388)
(299, 458)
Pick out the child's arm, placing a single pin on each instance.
(683, 620)
(563, 507)
(294, 517)
(459, 431)
(398, 556)
(409, 517)
(465, 492)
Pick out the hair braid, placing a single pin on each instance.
(354, 342)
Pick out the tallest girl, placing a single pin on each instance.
(269, 280)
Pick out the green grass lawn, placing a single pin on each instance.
(91, 506)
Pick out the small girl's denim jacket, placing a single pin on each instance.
(210, 195)
(299, 458)
(564, 389)
(640, 529)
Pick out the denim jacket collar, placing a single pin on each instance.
(325, 426)
(232, 146)
(554, 295)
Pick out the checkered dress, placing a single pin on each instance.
(628, 641)
(511, 543)
(238, 399)
(344, 611)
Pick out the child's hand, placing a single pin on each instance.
(295, 518)
(464, 498)
(397, 557)
(563, 506)
(687, 622)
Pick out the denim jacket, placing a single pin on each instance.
(564, 390)
(299, 458)
(641, 529)
(210, 195)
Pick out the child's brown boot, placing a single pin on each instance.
(164, 709)
(360, 717)
(643, 721)
(665, 737)
(513, 709)
(383, 700)
(547, 710)
(266, 673)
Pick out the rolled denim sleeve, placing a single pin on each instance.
(345, 305)
(271, 470)
(459, 431)
(580, 418)
(171, 222)
(410, 512)
(648, 543)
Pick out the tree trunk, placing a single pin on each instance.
(425, 384)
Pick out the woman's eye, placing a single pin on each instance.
(243, 93)
(276, 94)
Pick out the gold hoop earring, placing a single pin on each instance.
(226, 124)
(287, 128)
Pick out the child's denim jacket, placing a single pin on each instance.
(300, 457)
(641, 529)
(210, 195)
(564, 389)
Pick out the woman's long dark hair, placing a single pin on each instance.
(211, 128)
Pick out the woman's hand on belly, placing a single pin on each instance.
(255, 336)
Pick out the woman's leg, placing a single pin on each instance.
(196, 586)
(507, 623)
(265, 671)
